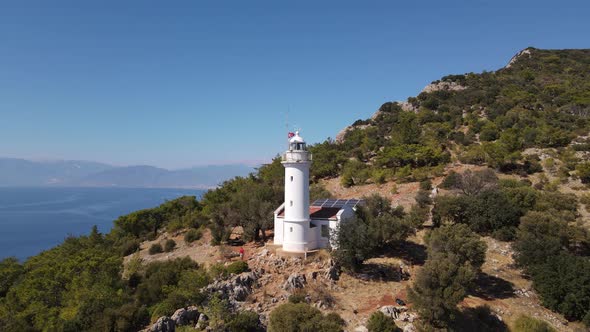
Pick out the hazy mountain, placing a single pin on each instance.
(20, 172)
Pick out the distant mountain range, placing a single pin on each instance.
(20, 172)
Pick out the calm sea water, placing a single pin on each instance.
(36, 219)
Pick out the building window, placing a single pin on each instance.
(325, 231)
(291, 178)
(291, 203)
(291, 229)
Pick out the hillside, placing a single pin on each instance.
(540, 100)
(503, 245)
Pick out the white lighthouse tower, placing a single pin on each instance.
(296, 222)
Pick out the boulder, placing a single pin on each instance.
(237, 288)
(295, 281)
(163, 324)
(333, 273)
(390, 311)
(185, 316)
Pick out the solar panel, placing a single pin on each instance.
(337, 203)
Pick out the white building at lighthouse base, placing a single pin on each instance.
(324, 217)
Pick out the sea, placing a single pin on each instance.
(36, 219)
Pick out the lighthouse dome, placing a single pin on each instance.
(296, 138)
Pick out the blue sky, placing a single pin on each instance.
(182, 83)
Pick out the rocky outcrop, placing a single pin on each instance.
(295, 281)
(340, 136)
(443, 86)
(185, 316)
(408, 107)
(333, 272)
(163, 324)
(237, 288)
(525, 52)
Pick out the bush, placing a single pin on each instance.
(423, 198)
(244, 321)
(426, 185)
(298, 297)
(10, 271)
(128, 246)
(192, 235)
(378, 322)
(156, 248)
(291, 317)
(583, 172)
(169, 245)
(457, 240)
(528, 324)
(441, 284)
(451, 181)
(237, 267)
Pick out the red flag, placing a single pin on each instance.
(290, 134)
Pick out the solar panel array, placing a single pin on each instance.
(337, 203)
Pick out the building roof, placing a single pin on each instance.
(317, 212)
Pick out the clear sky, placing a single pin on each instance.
(182, 83)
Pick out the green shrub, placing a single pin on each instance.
(426, 185)
(128, 247)
(169, 245)
(10, 271)
(378, 322)
(298, 297)
(193, 235)
(583, 172)
(237, 267)
(244, 321)
(451, 181)
(156, 248)
(294, 317)
(528, 324)
(423, 198)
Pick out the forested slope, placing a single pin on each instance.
(540, 102)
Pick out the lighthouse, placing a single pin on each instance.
(296, 161)
(298, 225)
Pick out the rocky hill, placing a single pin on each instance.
(508, 151)
(540, 100)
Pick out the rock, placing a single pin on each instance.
(295, 281)
(409, 328)
(408, 107)
(186, 316)
(443, 86)
(237, 288)
(202, 322)
(361, 329)
(333, 273)
(163, 324)
(313, 275)
(390, 311)
(240, 293)
(522, 53)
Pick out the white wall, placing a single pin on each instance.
(296, 191)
